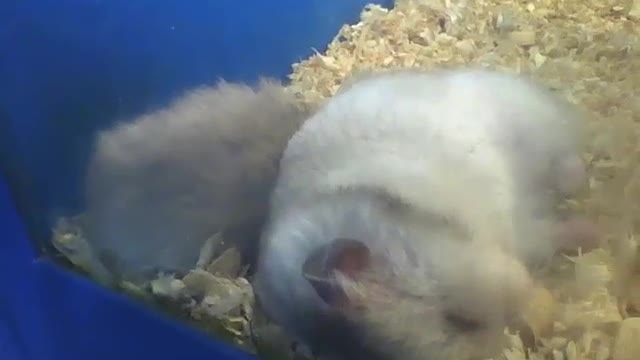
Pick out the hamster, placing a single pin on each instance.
(157, 187)
(410, 209)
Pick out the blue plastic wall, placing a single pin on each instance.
(70, 67)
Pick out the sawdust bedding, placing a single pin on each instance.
(586, 50)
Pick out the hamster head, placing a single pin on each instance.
(456, 307)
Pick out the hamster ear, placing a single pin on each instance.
(347, 256)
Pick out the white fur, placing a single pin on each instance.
(475, 147)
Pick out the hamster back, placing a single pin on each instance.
(157, 187)
(496, 144)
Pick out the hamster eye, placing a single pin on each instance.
(462, 323)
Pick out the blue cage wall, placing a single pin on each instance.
(71, 67)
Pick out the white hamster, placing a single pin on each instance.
(408, 208)
(158, 186)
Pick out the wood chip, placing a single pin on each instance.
(523, 38)
(627, 345)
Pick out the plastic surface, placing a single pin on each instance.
(70, 67)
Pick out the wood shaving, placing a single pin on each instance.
(211, 297)
(627, 345)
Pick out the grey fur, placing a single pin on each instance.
(157, 187)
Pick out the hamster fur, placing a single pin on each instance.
(449, 120)
(407, 209)
(157, 187)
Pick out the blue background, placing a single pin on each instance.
(71, 67)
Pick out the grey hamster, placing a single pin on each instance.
(158, 186)
(408, 210)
